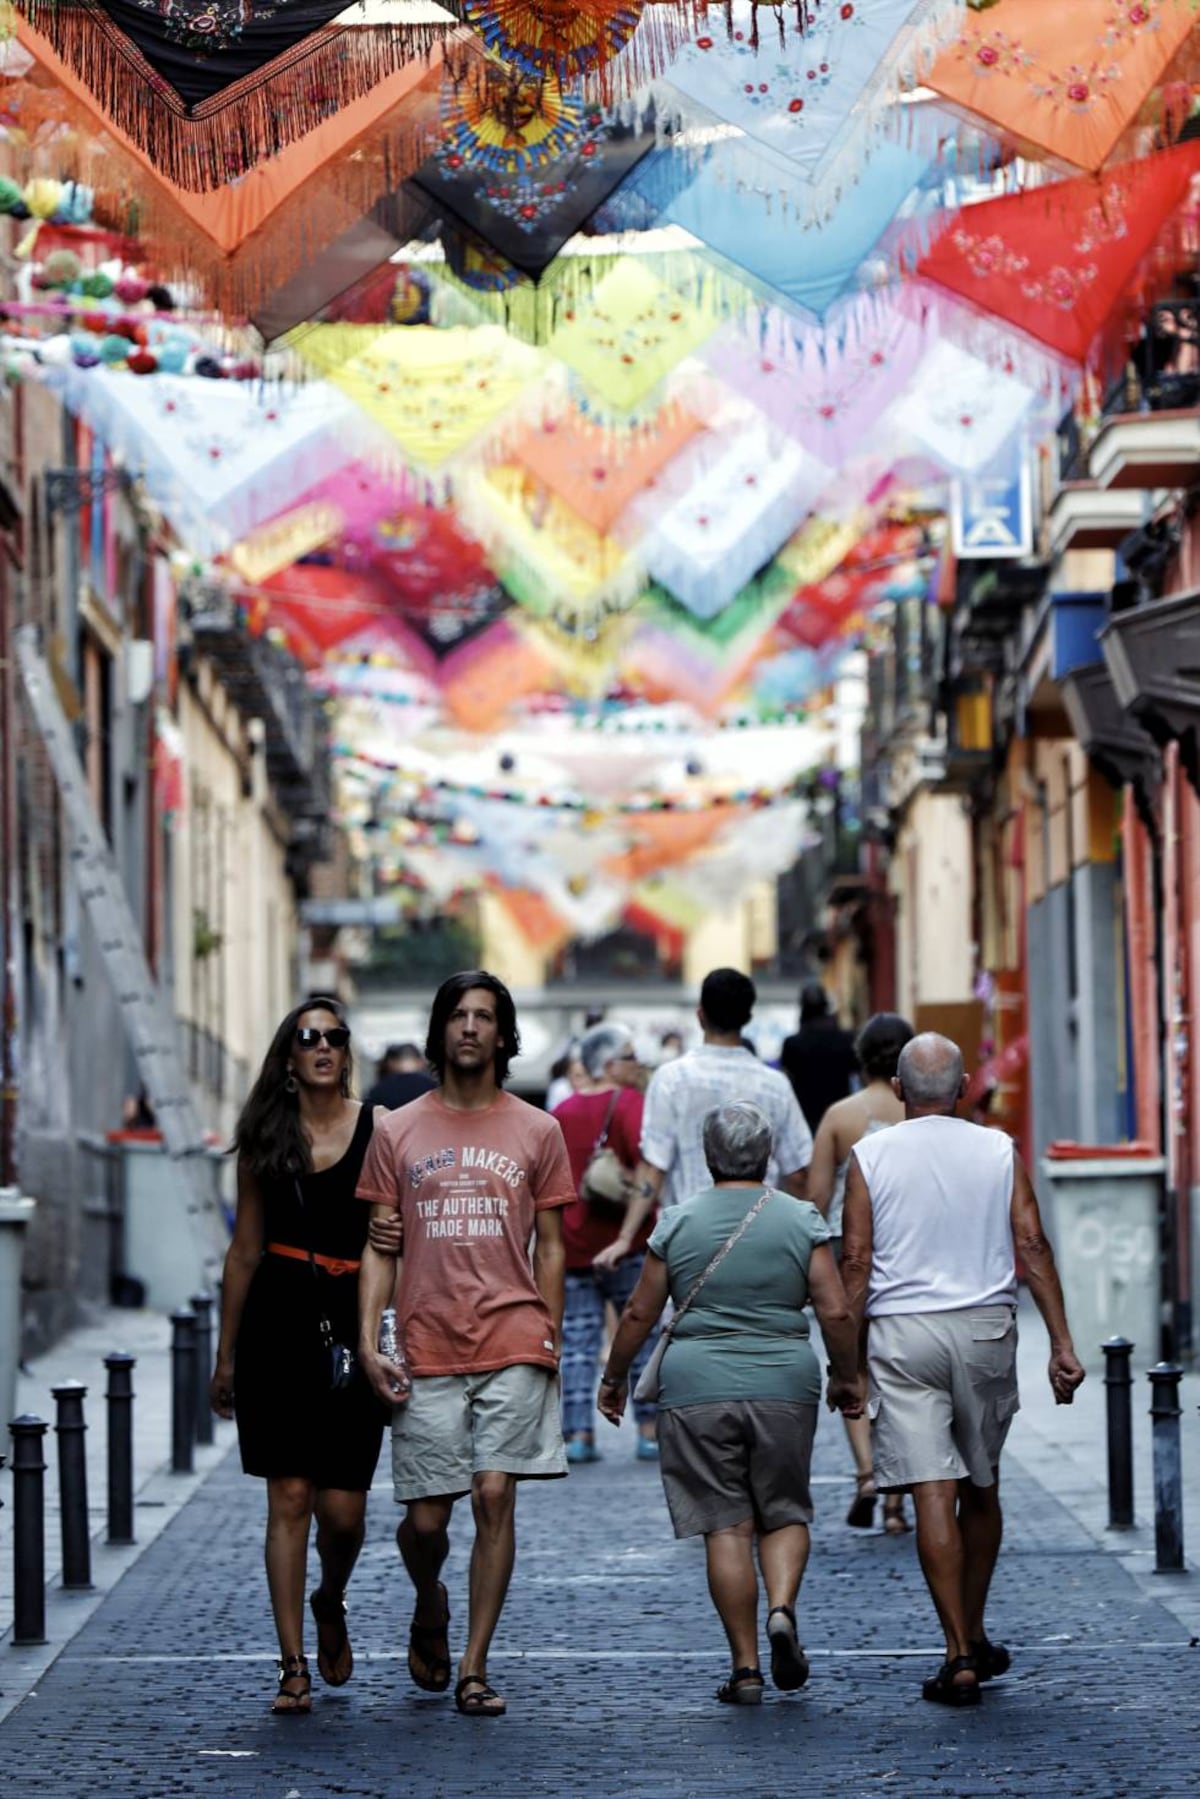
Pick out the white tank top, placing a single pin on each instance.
(941, 1217)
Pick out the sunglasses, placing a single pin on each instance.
(308, 1036)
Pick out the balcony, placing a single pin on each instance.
(1148, 434)
(1114, 741)
(1153, 656)
(266, 683)
(1146, 450)
(1086, 516)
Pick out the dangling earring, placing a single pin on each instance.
(291, 1085)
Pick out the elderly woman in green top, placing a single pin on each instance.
(740, 1385)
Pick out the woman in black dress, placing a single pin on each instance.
(300, 1141)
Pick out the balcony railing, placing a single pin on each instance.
(1162, 375)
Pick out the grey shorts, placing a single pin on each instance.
(943, 1392)
(455, 1426)
(734, 1461)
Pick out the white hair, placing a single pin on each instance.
(737, 1142)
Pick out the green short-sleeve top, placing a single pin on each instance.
(745, 1336)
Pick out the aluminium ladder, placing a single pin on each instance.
(152, 1030)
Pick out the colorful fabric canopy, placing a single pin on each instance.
(242, 240)
(597, 470)
(1065, 264)
(1067, 79)
(207, 91)
(958, 409)
(624, 340)
(751, 212)
(435, 393)
(549, 558)
(744, 495)
(522, 164)
(219, 457)
(812, 99)
(825, 389)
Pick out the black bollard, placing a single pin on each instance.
(29, 1530)
(71, 1430)
(1118, 1384)
(183, 1391)
(120, 1447)
(201, 1304)
(1166, 1412)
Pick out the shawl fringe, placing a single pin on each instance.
(205, 146)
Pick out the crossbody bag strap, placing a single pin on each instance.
(724, 1250)
(322, 1315)
(602, 1139)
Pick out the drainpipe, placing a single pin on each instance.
(1168, 1234)
(8, 948)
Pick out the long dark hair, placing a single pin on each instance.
(879, 1043)
(444, 1002)
(269, 1136)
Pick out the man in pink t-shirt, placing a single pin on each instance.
(460, 1180)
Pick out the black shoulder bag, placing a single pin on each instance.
(342, 1362)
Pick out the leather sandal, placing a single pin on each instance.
(474, 1698)
(294, 1698)
(744, 1687)
(942, 1688)
(789, 1664)
(991, 1659)
(895, 1523)
(429, 1650)
(861, 1515)
(335, 1657)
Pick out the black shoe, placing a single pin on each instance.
(942, 1688)
(991, 1659)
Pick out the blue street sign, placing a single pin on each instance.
(991, 513)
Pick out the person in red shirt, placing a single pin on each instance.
(470, 1174)
(608, 1114)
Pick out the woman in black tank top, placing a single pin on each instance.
(293, 1262)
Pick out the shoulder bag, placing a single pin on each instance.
(341, 1362)
(606, 1181)
(649, 1379)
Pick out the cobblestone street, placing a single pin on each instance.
(609, 1655)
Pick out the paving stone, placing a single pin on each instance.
(609, 1654)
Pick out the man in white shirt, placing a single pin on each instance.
(682, 1093)
(935, 1212)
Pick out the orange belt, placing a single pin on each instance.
(331, 1264)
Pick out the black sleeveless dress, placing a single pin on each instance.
(290, 1422)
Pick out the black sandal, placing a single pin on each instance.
(942, 1688)
(991, 1659)
(293, 1705)
(335, 1657)
(484, 1702)
(430, 1643)
(744, 1687)
(861, 1515)
(789, 1664)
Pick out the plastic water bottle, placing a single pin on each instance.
(390, 1349)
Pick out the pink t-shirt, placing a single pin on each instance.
(467, 1185)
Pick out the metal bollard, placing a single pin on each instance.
(70, 1429)
(29, 1529)
(1166, 1412)
(1118, 1384)
(120, 1446)
(201, 1304)
(183, 1391)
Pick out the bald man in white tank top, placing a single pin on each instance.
(936, 1210)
